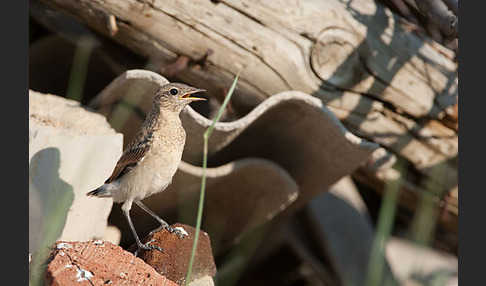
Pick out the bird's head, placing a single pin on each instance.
(175, 96)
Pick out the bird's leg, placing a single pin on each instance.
(147, 246)
(150, 212)
(164, 224)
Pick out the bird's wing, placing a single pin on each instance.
(131, 157)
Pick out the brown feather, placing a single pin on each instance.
(137, 149)
(127, 161)
(132, 155)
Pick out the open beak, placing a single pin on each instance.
(187, 95)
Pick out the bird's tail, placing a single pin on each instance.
(101, 192)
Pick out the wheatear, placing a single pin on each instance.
(149, 162)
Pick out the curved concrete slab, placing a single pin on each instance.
(293, 130)
(240, 196)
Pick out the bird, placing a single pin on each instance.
(149, 162)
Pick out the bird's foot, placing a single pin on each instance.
(148, 246)
(179, 231)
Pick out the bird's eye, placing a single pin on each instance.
(173, 91)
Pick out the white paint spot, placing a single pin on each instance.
(123, 275)
(68, 266)
(182, 230)
(83, 275)
(98, 242)
(63, 245)
(61, 253)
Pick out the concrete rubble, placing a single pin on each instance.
(71, 151)
(173, 262)
(99, 262)
(269, 142)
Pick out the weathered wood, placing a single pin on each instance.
(384, 82)
(284, 45)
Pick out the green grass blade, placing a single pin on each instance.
(376, 265)
(425, 220)
(206, 136)
(79, 69)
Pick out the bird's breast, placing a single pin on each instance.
(154, 173)
(158, 168)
